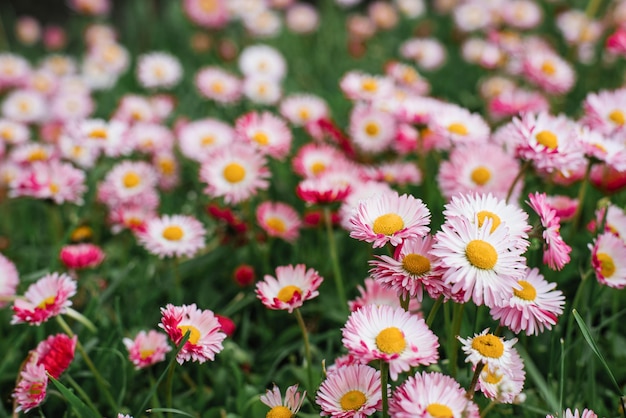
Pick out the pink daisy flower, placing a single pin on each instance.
(503, 384)
(159, 70)
(608, 257)
(510, 103)
(211, 14)
(283, 409)
(173, 236)
(167, 169)
(376, 293)
(129, 183)
(398, 173)
(12, 132)
(459, 125)
(279, 220)
(133, 108)
(80, 256)
(199, 138)
(56, 353)
(290, 288)
(537, 305)
(411, 270)
(371, 130)
(9, 279)
(605, 112)
(427, 395)
(108, 137)
(568, 413)
(48, 297)
(359, 191)
(24, 106)
(60, 182)
(407, 77)
(610, 151)
(147, 348)
(390, 218)
(491, 350)
(392, 335)
(32, 386)
(150, 138)
(564, 206)
(132, 217)
(217, 84)
(314, 158)
(205, 337)
(235, 173)
(548, 71)
(265, 131)
(14, 70)
(300, 109)
(556, 251)
(323, 189)
(352, 391)
(360, 86)
(264, 61)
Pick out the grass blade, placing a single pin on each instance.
(536, 376)
(171, 410)
(82, 410)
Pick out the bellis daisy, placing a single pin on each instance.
(205, 337)
(279, 220)
(48, 297)
(147, 348)
(79, 256)
(568, 413)
(217, 84)
(608, 258)
(56, 353)
(173, 236)
(283, 409)
(265, 131)
(159, 69)
(290, 288)
(491, 350)
(556, 251)
(503, 384)
(389, 218)
(376, 293)
(392, 335)
(32, 386)
(199, 138)
(372, 130)
(9, 279)
(350, 391)
(300, 109)
(262, 60)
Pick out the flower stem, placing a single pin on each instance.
(170, 384)
(405, 298)
(453, 342)
(520, 174)
(307, 349)
(488, 408)
(384, 374)
(472, 387)
(332, 247)
(581, 196)
(433, 311)
(104, 387)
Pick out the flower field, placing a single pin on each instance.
(345, 208)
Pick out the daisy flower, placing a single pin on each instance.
(481, 263)
(14, 70)
(359, 191)
(150, 138)
(522, 14)
(400, 173)
(199, 138)
(235, 173)
(173, 236)
(158, 69)
(323, 189)
(512, 102)
(217, 84)
(133, 108)
(608, 257)
(366, 87)
(212, 14)
(375, 293)
(556, 253)
(537, 305)
(129, 182)
(428, 53)
(56, 353)
(47, 297)
(389, 218)
(302, 108)
(407, 77)
(568, 413)
(262, 60)
(491, 350)
(147, 348)
(71, 106)
(24, 106)
(261, 89)
(167, 168)
(411, 270)
(548, 71)
(427, 395)
(459, 125)
(503, 384)
(9, 279)
(80, 256)
(466, 170)
(390, 334)
(12, 132)
(283, 409)
(290, 288)
(314, 158)
(279, 220)
(302, 18)
(564, 206)
(205, 337)
(108, 137)
(32, 386)
(350, 391)
(133, 217)
(605, 111)
(597, 146)
(372, 130)
(265, 131)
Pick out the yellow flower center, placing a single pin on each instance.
(217, 87)
(279, 412)
(488, 346)
(167, 166)
(416, 264)
(481, 254)
(437, 410)
(369, 85)
(317, 167)
(81, 233)
(304, 113)
(194, 333)
(492, 378)
(144, 354)
(372, 129)
(548, 68)
(617, 117)
(131, 179)
(54, 188)
(207, 140)
(481, 175)
(159, 73)
(36, 389)
(528, 291)
(24, 106)
(547, 139)
(286, 293)
(409, 76)
(391, 341)
(98, 133)
(388, 224)
(47, 302)
(234, 172)
(458, 128)
(483, 215)
(607, 265)
(38, 154)
(261, 138)
(7, 134)
(173, 233)
(353, 400)
(77, 151)
(276, 224)
(208, 5)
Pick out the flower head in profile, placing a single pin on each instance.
(350, 391)
(173, 236)
(290, 288)
(80, 256)
(147, 348)
(205, 337)
(568, 413)
(283, 409)
(48, 297)
(56, 353)
(32, 386)
(556, 251)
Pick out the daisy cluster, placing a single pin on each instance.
(171, 178)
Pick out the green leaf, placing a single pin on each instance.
(170, 410)
(594, 347)
(536, 376)
(82, 410)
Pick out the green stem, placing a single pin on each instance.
(592, 8)
(332, 247)
(488, 408)
(581, 198)
(472, 387)
(81, 393)
(155, 398)
(405, 298)
(433, 311)
(384, 375)
(170, 384)
(457, 318)
(520, 174)
(307, 349)
(104, 387)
